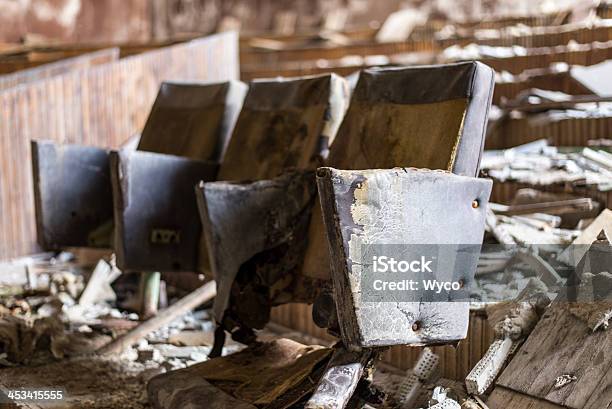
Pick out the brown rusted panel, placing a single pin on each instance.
(100, 106)
(284, 123)
(193, 120)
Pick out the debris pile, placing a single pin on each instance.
(538, 163)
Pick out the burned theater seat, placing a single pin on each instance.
(400, 172)
(183, 141)
(72, 189)
(283, 124)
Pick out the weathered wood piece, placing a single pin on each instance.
(185, 391)
(562, 344)
(72, 191)
(481, 377)
(579, 247)
(366, 210)
(181, 307)
(58, 68)
(277, 370)
(340, 379)
(502, 398)
(156, 214)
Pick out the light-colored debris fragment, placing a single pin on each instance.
(426, 367)
(409, 390)
(486, 370)
(563, 380)
(98, 287)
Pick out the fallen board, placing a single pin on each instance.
(561, 344)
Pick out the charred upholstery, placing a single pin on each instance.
(283, 131)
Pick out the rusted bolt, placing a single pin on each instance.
(416, 326)
(475, 204)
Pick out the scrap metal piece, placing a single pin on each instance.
(340, 379)
(426, 367)
(72, 192)
(156, 216)
(409, 208)
(424, 371)
(409, 391)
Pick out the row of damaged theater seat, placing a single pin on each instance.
(396, 165)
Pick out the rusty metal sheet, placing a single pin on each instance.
(193, 119)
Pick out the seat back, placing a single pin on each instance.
(193, 119)
(432, 117)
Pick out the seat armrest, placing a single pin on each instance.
(246, 222)
(434, 218)
(156, 218)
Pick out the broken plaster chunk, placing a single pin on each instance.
(443, 401)
(486, 370)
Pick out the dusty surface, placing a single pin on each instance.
(91, 383)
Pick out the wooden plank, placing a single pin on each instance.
(57, 68)
(561, 344)
(502, 398)
(103, 105)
